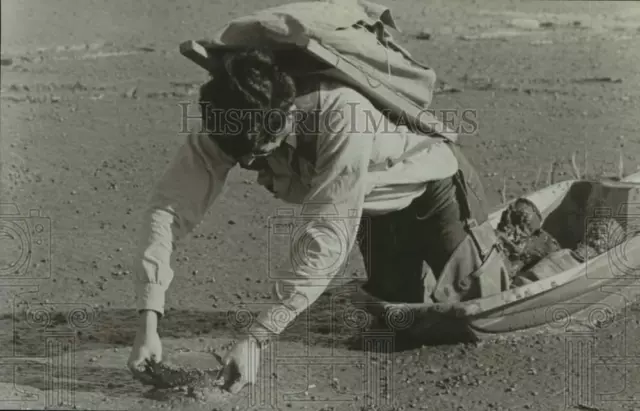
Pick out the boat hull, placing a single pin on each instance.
(582, 297)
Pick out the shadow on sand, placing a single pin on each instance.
(333, 322)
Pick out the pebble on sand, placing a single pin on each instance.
(131, 93)
(423, 35)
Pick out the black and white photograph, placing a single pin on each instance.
(320, 205)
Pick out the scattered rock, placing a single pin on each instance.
(444, 87)
(131, 93)
(77, 86)
(423, 35)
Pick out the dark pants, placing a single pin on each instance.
(396, 245)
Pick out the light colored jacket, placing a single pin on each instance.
(355, 171)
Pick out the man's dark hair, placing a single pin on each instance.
(251, 84)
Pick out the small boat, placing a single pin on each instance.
(584, 297)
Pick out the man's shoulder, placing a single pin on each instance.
(336, 94)
(325, 93)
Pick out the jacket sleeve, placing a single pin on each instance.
(331, 211)
(178, 204)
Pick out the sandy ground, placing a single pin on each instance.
(90, 118)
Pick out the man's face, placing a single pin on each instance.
(275, 134)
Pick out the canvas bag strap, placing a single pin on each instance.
(482, 235)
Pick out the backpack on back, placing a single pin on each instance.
(348, 42)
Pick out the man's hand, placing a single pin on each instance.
(146, 346)
(241, 365)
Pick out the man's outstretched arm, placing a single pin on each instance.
(333, 209)
(178, 204)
